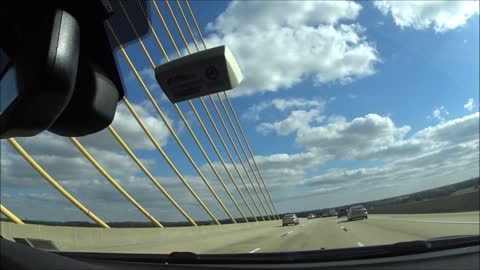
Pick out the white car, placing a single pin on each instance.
(311, 216)
(358, 211)
(290, 219)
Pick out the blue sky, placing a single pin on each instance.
(365, 102)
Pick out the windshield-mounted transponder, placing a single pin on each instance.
(199, 74)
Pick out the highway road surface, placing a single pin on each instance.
(331, 232)
(270, 236)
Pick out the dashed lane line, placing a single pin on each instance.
(255, 250)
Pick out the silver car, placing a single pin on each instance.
(358, 211)
(290, 219)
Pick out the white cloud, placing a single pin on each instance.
(352, 140)
(439, 114)
(433, 156)
(454, 131)
(469, 105)
(277, 51)
(297, 120)
(283, 104)
(439, 15)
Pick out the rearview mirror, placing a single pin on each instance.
(43, 50)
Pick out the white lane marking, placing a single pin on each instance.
(342, 227)
(360, 244)
(289, 232)
(255, 250)
(431, 221)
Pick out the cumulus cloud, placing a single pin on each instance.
(283, 104)
(352, 140)
(439, 114)
(420, 15)
(276, 51)
(434, 156)
(281, 169)
(297, 120)
(469, 105)
(371, 137)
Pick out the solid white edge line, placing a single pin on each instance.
(255, 250)
(430, 221)
(360, 244)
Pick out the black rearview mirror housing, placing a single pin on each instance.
(44, 49)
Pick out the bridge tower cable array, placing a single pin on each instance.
(192, 36)
(55, 184)
(159, 44)
(189, 51)
(147, 131)
(233, 112)
(184, 150)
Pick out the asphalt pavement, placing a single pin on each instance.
(261, 237)
(332, 232)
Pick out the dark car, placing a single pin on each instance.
(342, 212)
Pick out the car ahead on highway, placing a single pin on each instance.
(311, 216)
(342, 212)
(357, 211)
(290, 219)
(325, 214)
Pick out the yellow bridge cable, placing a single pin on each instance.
(186, 45)
(147, 172)
(191, 104)
(199, 119)
(196, 45)
(179, 29)
(10, 215)
(246, 158)
(233, 111)
(114, 183)
(185, 121)
(150, 136)
(251, 154)
(186, 23)
(152, 100)
(178, 26)
(240, 158)
(231, 158)
(54, 183)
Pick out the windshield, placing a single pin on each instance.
(343, 105)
